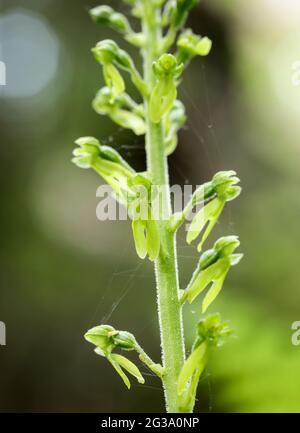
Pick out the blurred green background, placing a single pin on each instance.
(64, 271)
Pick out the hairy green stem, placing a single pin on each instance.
(169, 308)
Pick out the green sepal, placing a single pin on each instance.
(139, 236)
(215, 272)
(107, 338)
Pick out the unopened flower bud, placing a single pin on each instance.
(105, 15)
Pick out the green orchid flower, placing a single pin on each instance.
(222, 188)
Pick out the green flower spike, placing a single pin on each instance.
(190, 45)
(164, 93)
(105, 160)
(111, 56)
(121, 109)
(106, 339)
(224, 188)
(211, 333)
(213, 267)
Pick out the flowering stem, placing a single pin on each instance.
(169, 309)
